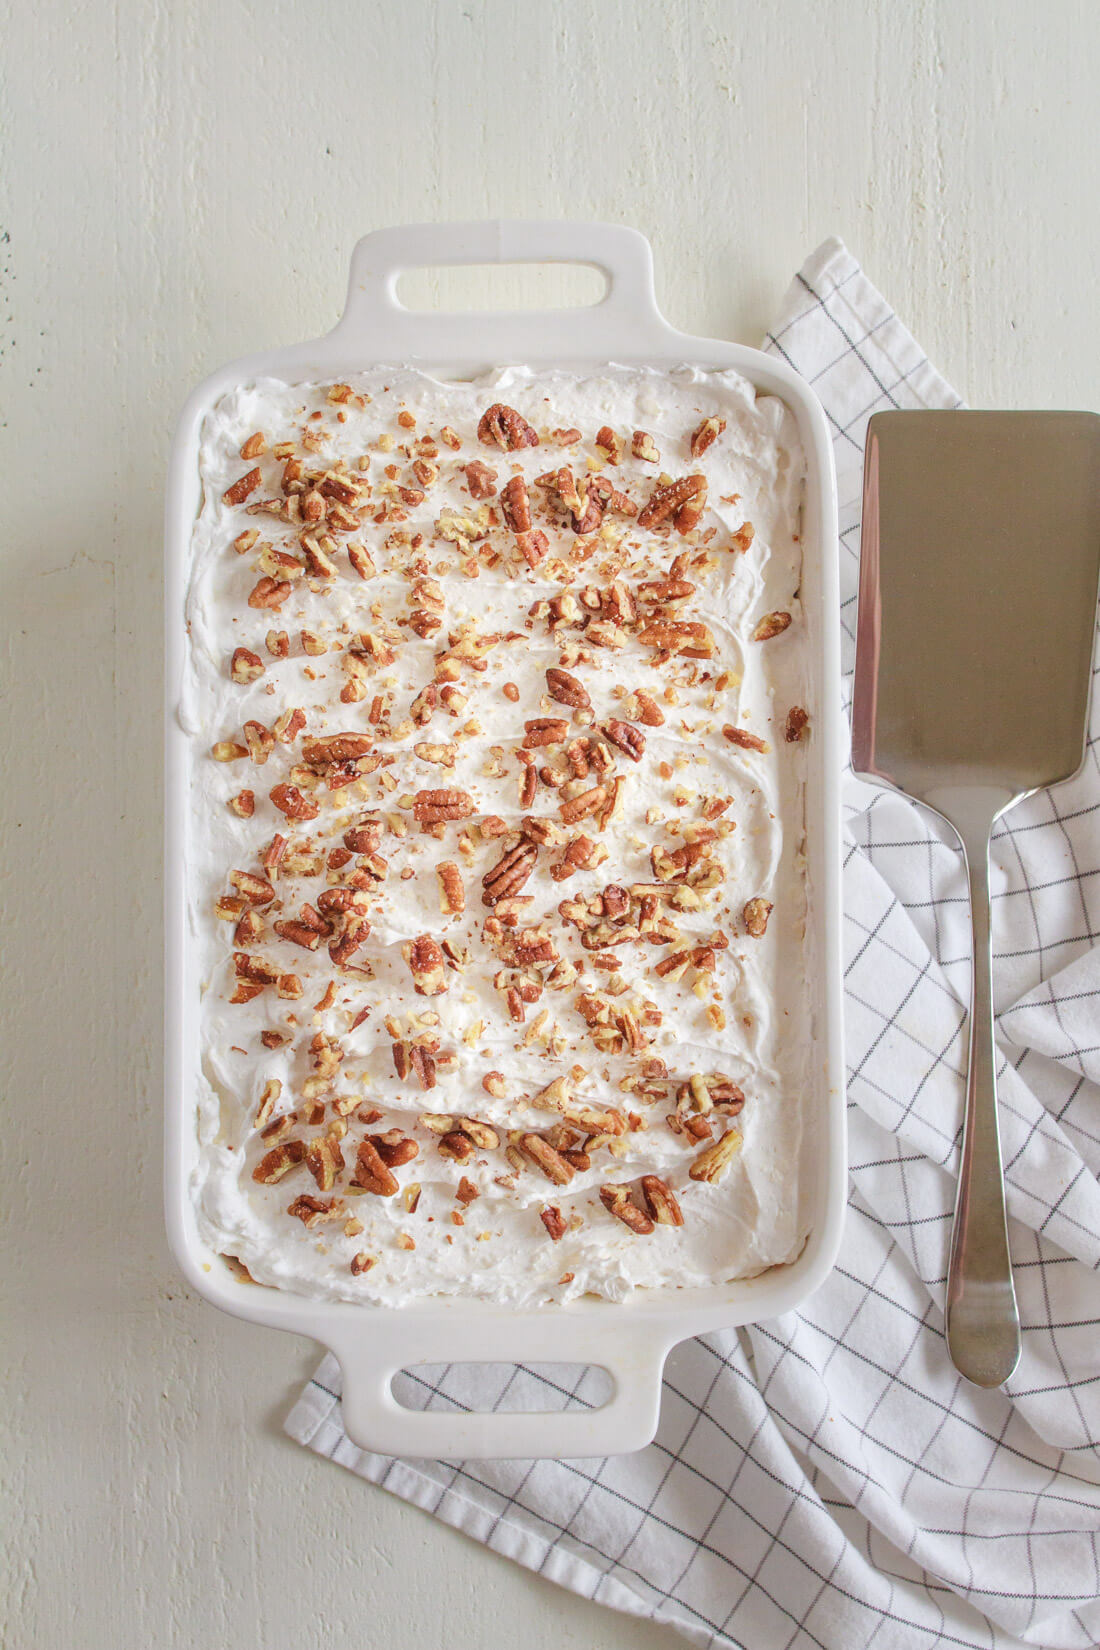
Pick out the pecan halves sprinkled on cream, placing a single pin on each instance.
(335, 748)
(242, 487)
(705, 435)
(628, 739)
(269, 592)
(567, 690)
(798, 721)
(371, 1173)
(755, 916)
(683, 501)
(543, 1155)
(502, 426)
(509, 874)
(256, 890)
(433, 807)
(743, 738)
(246, 666)
(279, 1162)
(552, 1218)
(545, 730)
(772, 624)
(714, 1160)
(480, 479)
(515, 506)
(425, 960)
(617, 1201)
(452, 891)
(290, 801)
(649, 711)
(660, 1201)
(589, 802)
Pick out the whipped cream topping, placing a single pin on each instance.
(737, 1011)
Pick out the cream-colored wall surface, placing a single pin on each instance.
(182, 184)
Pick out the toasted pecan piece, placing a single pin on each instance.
(502, 426)
(567, 690)
(617, 1201)
(371, 1172)
(626, 738)
(705, 435)
(552, 1218)
(755, 916)
(552, 1164)
(798, 720)
(430, 807)
(714, 1160)
(515, 505)
(660, 1201)
(744, 739)
(480, 479)
(242, 487)
(508, 875)
(290, 801)
(772, 624)
(683, 500)
(425, 960)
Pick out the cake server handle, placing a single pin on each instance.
(982, 1320)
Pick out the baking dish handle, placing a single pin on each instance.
(634, 1358)
(626, 322)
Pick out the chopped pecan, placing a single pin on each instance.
(290, 801)
(279, 1162)
(683, 500)
(626, 738)
(706, 435)
(772, 624)
(504, 427)
(371, 1173)
(609, 441)
(256, 890)
(269, 592)
(480, 479)
(797, 722)
(533, 546)
(714, 1160)
(431, 807)
(755, 916)
(617, 1201)
(661, 1201)
(426, 966)
(452, 891)
(553, 1165)
(394, 1147)
(361, 560)
(643, 446)
(299, 933)
(577, 856)
(242, 487)
(515, 506)
(246, 666)
(552, 1218)
(509, 874)
(589, 802)
(545, 730)
(567, 690)
(324, 1160)
(362, 1262)
(528, 784)
(649, 711)
(289, 725)
(742, 737)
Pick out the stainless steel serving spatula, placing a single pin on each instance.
(977, 609)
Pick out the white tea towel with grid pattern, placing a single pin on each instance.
(825, 1478)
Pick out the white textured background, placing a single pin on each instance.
(182, 184)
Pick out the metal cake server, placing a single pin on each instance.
(977, 609)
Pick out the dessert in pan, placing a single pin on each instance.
(497, 702)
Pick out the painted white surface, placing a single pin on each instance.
(184, 184)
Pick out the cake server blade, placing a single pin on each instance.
(977, 610)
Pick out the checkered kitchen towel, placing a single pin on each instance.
(826, 1479)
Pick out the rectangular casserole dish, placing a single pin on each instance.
(630, 1340)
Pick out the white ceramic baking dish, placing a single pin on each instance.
(632, 1340)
